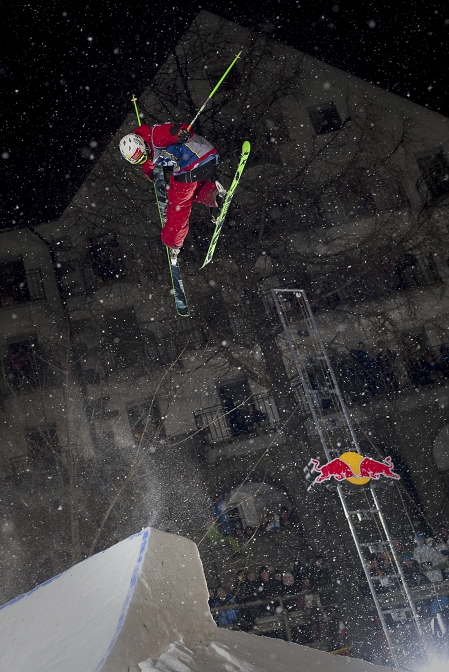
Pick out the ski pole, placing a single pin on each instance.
(134, 101)
(213, 91)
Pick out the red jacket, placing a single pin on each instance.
(162, 136)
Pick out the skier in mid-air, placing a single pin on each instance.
(194, 162)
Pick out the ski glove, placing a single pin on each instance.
(184, 135)
(181, 135)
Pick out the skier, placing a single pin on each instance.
(194, 162)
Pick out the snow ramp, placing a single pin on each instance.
(140, 606)
(111, 611)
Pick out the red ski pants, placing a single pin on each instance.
(181, 196)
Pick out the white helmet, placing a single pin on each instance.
(133, 148)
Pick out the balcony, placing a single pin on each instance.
(390, 277)
(42, 469)
(253, 425)
(365, 376)
(25, 368)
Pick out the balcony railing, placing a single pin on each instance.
(255, 415)
(408, 273)
(35, 284)
(283, 615)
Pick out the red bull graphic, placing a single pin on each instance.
(355, 468)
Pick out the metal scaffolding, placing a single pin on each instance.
(308, 351)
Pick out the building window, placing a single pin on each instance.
(23, 365)
(145, 421)
(435, 171)
(157, 348)
(324, 118)
(407, 272)
(214, 313)
(347, 196)
(123, 339)
(18, 285)
(388, 193)
(43, 447)
(13, 283)
(106, 259)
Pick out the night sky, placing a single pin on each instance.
(68, 69)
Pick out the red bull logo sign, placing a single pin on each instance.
(354, 468)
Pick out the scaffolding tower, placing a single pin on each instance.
(365, 518)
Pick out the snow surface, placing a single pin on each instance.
(140, 606)
(231, 651)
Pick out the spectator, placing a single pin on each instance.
(443, 547)
(382, 582)
(273, 524)
(335, 629)
(412, 573)
(424, 553)
(433, 574)
(296, 570)
(212, 597)
(285, 519)
(263, 584)
(248, 533)
(250, 593)
(218, 510)
(236, 588)
(289, 588)
(238, 531)
(308, 597)
(234, 417)
(227, 616)
(277, 585)
(319, 573)
(250, 588)
(384, 561)
(253, 417)
(309, 568)
(431, 542)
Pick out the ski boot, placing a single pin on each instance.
(221, 193)
(173, 253)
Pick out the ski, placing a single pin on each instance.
(179, 294)
(246, 148)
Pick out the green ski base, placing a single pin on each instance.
(246, 148)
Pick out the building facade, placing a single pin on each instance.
(117, 412)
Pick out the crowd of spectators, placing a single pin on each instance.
(426, 563)
(256, 597)
(382, 370)
(311, 591)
